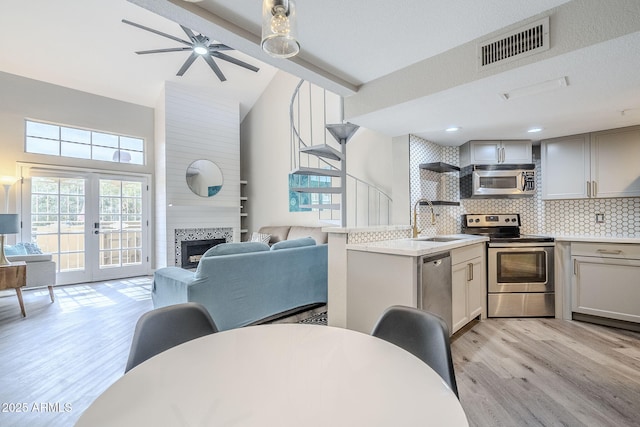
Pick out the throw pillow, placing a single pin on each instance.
(32, 248)
(236, 248)
(260, 237)
(295, 243)
(14, 250)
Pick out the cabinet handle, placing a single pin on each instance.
(594, 190)
(609, 251)
(588, 188)
(469, 272)
(575, 267)
(503, 155)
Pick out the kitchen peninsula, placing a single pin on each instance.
(384, 273)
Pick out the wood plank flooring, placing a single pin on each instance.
(510, 372)
(548, 372)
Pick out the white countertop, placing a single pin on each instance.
(347, 230)
(597, 239)
(411, 247)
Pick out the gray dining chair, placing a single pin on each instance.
(163, 328)
(423, 334)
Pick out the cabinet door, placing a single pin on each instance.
(516, 152)
(606, 287)
(459, 311)
(485, 152)
(565, 167)
(615, 163)
(476, 295)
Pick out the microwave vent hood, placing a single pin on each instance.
(499, 181)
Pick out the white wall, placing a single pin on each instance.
(193, 123)
(265, 157)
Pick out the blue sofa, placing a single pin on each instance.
(243, 283)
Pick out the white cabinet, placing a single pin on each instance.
(598, 165)
(468, 285)
(606, 280)
(495, 152)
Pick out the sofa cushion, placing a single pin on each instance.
(29, 257)
(295, 243)
(236, 248)
(297, 232)
(278, 232)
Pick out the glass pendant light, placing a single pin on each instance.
(279, 28)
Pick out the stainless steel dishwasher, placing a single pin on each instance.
(434, 289)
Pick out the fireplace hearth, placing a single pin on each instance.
(192, 250)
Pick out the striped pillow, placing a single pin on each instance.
(260, 237)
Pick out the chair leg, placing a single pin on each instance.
(19, 294)
(51, 293)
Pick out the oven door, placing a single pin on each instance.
(523, 268)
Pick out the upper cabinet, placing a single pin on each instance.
(597, 165)
(495, 152)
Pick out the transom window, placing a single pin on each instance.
(64, 141)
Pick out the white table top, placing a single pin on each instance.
(279, 375)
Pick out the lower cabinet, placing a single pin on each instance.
(606, 280)
(468, 285)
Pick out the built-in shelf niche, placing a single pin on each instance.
(441, 168)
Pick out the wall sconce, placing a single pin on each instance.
(279, 30)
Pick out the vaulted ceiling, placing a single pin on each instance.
(403, 67)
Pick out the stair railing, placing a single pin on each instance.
(369, 205)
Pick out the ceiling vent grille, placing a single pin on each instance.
(516, 44)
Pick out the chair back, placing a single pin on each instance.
(421, 333)
(163, 328)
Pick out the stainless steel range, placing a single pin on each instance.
(519, 267)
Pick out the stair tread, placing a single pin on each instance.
(322, 150)
(323, 190)
(342, 132)
(316, 171)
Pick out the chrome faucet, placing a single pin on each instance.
(415, 216)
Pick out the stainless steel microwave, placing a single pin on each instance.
(497, 181)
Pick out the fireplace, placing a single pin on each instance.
(192, 250)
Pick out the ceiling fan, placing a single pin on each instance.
(199, 46)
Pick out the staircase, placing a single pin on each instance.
(319, 152)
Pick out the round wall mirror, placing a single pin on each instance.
(204, 178)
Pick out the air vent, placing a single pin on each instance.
(516, 44)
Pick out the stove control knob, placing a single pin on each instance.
(470, 220)
(513, 220)
(507, 220)
(477, 219)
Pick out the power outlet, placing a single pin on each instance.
(600, 218)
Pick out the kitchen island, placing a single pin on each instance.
(385, 273)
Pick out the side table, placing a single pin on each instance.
(14, 275)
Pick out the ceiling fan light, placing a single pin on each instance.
(200, 50)
(279, 28)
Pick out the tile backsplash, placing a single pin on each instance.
(556, 217)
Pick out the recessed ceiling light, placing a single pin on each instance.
(452, 129)
(534, 130)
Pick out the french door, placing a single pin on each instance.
(96, 225)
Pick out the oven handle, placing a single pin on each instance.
(521, 245)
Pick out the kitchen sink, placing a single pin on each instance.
(437, 239)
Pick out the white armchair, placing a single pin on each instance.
(41, 270)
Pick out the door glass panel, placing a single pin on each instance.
(522, 267)
(57, 219)
(120, 233)
(499, 182)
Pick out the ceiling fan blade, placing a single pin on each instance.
(187, 63)
(219, 46)
(189, 33)
(173, 49)
(235, 61)
(214, 67)
(157, 32)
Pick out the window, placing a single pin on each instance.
(54, 140)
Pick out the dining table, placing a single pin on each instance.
(279, 375)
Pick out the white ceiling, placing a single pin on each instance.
(361, 49)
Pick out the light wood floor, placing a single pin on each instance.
(510, 372)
